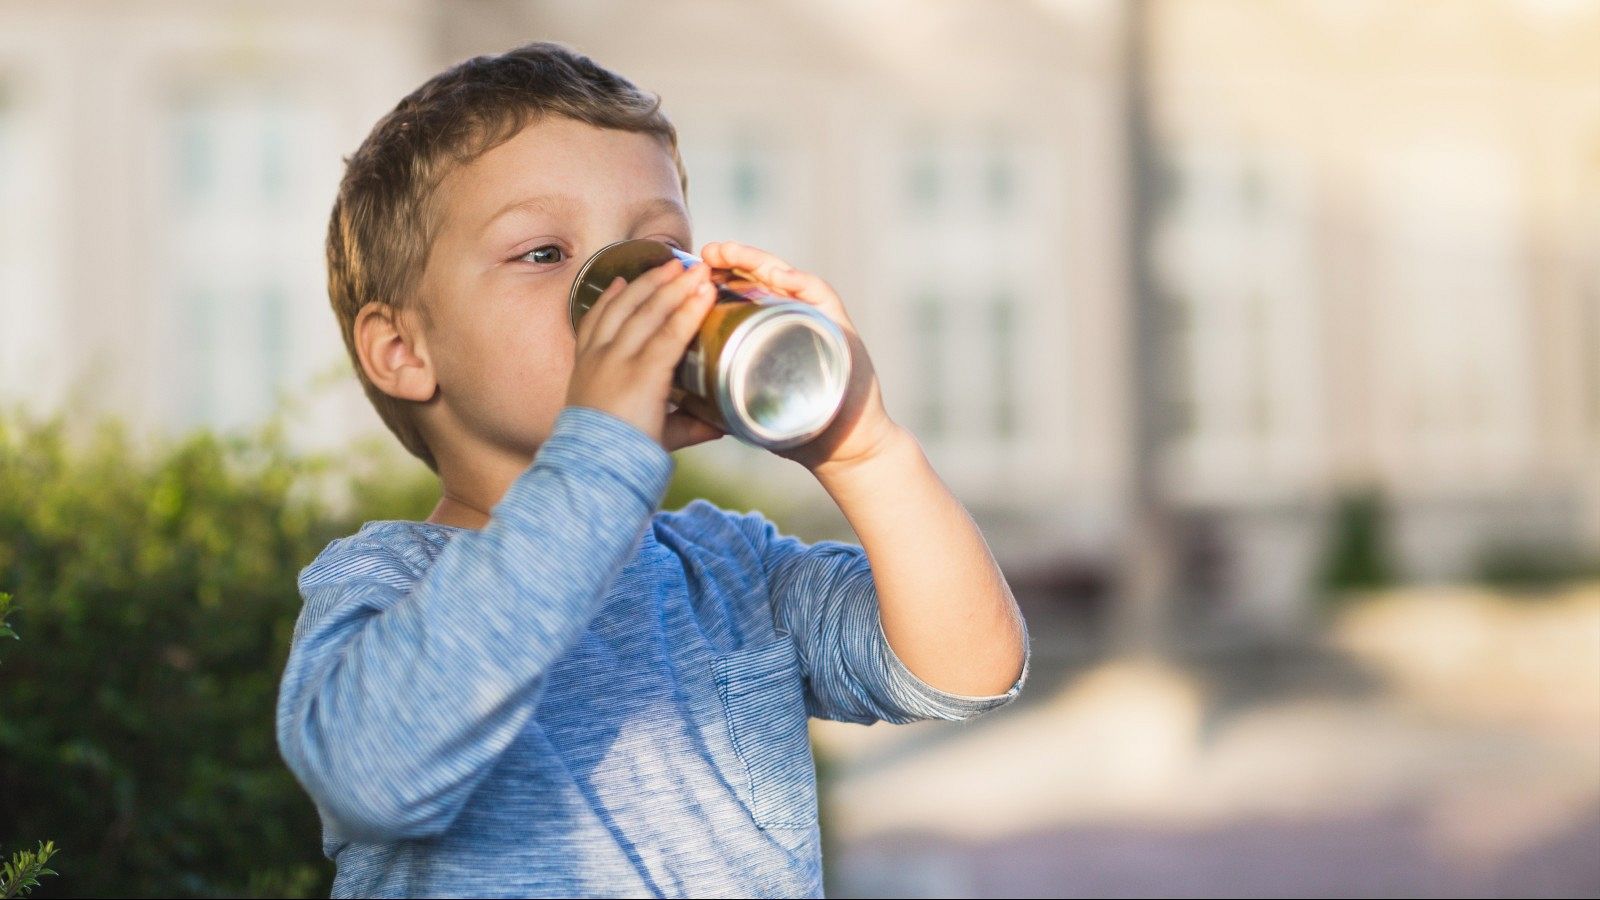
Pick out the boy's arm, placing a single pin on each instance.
(399, 697)
(918, 622)
(824, 596)
(945, 606)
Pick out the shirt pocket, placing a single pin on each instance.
(763, 697)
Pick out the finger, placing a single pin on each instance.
(667, 342)
(684, 430)
(609, 318)
(637, 291)
(647, 317)
(814, 290)
(585, 326)
(777, 275)
(733, 255)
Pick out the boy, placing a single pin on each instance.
(549, 688)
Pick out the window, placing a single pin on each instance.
(1240, 340)
(959, 203)
(1259, 329)
(35, 359)
(1454, 362)
(999, 174)
(740, 190)
(1003, 314)
(923, 176)
(240, 248)
(1178, 388)
(745, 182)
(928, 324)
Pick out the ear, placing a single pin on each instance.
(394, 354)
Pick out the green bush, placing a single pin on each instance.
(136, 722)
(1524, 568)
(20, 874)
(1358, 555)
(137, 719)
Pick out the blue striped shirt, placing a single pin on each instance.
(587, 697)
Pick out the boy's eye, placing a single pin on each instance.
(542, 254)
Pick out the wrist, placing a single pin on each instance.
(896, 447)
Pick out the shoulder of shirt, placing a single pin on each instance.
(387, 551)
(698, 517)
(704, 523)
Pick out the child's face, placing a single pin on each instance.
(498, 273)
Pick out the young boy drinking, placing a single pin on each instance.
(549, 688)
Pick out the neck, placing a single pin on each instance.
(473, 484)
(450, 511)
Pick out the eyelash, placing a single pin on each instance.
(524, 257)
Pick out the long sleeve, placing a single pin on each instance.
(401, 692)
(824, 596)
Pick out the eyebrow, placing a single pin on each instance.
(552, 203)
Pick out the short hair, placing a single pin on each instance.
(385, 217)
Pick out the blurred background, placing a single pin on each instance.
(1262, 340)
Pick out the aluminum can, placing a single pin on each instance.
(769, 370)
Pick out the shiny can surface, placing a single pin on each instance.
(768, 370)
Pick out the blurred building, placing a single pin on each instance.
(1379, 248)
(1376, 241)
(166, 172)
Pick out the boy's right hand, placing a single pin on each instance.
(629, 344)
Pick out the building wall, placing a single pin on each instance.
(170, 170)
(1382, 238)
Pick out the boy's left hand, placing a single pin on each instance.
(862, 428)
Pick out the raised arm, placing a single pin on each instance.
(945, 604)
(400, 696)
(824, 595)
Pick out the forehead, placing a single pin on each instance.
(605, 171)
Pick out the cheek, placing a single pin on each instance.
(513, 358)
(536, 356)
